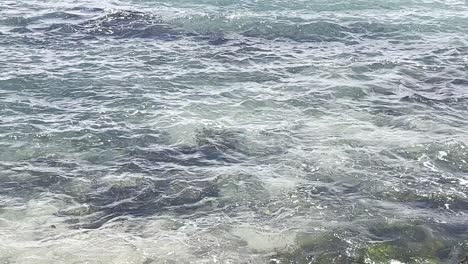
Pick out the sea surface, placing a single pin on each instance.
(233, 131)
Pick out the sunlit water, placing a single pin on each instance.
(233, 131)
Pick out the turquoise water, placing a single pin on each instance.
(222, 131)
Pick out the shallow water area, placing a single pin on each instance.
(221, 131)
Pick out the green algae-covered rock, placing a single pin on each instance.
(401, 242)
(425, 261)
(412, 243)
(325, 248)
(381, 253)
(388, 254)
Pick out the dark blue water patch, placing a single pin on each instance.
(27, 107)
(420, 99)
(17, 21)
(21, 30)
(55, 163)
(454, 229)
(390, 111)
(20, 21)
(460, 82)
(215, 147)
(309, 32)
(120, 24)
(217, 40)
(438, 83)
(437, 93)
(28, 179)
(330, 31)
(137, 165)
(126, 28)
(62, 28)
(387, 106)
(433, 201)
(223, 139)
(456, 204)
(183, 156)
(375, 30)
(112, 138)
(86, 9)
(145, 198)
(59, 15)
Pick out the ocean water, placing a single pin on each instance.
(233, 131)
